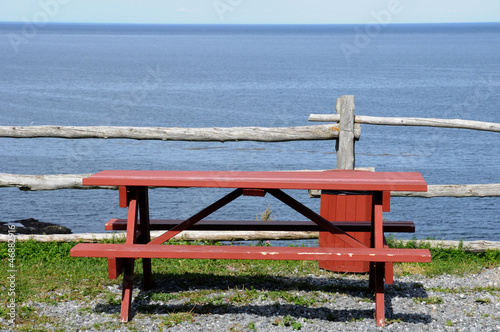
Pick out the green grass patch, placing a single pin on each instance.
(483, 301)
(453, 261)
(175, 318)
(287, 321)
(460, 290)
(46, 273)
(428, 300)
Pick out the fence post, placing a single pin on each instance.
(345, 143)
(337, 206)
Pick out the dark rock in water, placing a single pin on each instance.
(33, 226)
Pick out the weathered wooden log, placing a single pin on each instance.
(45, 182)
(260, 134)
(427, 122)
(454, 190)
(345, 143)
(444, 190)
(474, 246)
(186, 235)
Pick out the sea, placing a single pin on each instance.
(250, 75)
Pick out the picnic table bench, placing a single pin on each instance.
(354, 241)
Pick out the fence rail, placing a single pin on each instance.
(422, 122)
(259, 134)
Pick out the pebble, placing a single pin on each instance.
(463, 305)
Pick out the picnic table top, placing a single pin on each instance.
(321, 180)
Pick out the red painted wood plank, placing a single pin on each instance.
(246, 252)
(346, 206)
(363, 207)
(342, 208)
(123, 197)
(386, 201)
(378, 226)
(270, 225)
(254, 192)
(323, 180)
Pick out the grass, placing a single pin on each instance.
(478, 289)
(454, 261)
(266, 215)
(428, 300)
(288, 321)
(46, 273)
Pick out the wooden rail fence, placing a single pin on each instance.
(346, 133)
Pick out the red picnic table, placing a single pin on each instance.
(360, 240)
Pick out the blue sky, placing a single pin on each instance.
(250, 11)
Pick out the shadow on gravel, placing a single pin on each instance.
(325, 298)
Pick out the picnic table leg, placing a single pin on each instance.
(145, 234)
(133, 200)
(377, 270)
(389, 269)
(389, 273)
(381, 204)
(146, 267)
(379, 294)
(128, 282)
(115, 267)
(371, 277)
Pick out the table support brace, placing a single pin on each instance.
(313, 216)
(197, 217)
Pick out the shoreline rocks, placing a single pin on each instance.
(33, 226)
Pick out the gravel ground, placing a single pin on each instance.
(413, 303)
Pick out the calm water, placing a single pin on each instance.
(224, 76)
